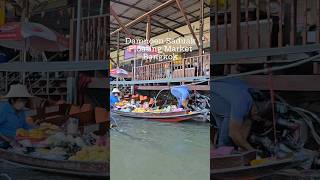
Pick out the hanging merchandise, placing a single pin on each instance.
(177, 59)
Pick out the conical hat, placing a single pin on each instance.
(115, 90)
(17, 91)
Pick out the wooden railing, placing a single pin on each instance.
(189, 67)
(264, 24)
(93, 39)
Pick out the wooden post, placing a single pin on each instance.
(187, 21)
(235, 24)
(71, 38)
(201, 28)
(316, 64)
(226, 25)
(247, 39)
(183, 67)
(216, 34)
(106, 36)
(148, 29)
(318, 21)
(118, 49)
(258, 23)
(305, 22)
(293, 19)
(2, 12)
(280, 34)
(78, 30)
(269, 23)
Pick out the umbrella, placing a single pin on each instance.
(32, 36)
(118, 73)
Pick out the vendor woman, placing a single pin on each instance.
(181, 93)
(12, 116)
(114, 96)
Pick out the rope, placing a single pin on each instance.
(272, 97)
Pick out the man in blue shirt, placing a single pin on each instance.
(181, 93)
(234, 107)
(12, 116)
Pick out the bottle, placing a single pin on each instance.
(72, 127)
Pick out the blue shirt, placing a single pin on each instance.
(113, 100)
(10, 120)
(230, 101)
(181, 93)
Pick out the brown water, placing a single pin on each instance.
(149, 150)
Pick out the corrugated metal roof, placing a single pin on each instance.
(128, 10)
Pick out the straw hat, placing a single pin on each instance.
(115, 90)
(18, 91)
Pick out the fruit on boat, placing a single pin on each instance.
(92, 153)
(139, 110)
(49, 128)
(22, 133)
(33, 134)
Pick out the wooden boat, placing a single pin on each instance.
(90, 169)
(162, 117)
(253, 172)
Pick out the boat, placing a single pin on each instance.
(253, 172)
(80, 168)
(162, 117)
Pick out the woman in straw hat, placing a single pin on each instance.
(12, 116)
(114, 96)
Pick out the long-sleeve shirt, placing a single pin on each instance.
(11, 120)
(181, 93)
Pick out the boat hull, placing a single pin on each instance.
(162, 117)
(92, 169)
(252, 172)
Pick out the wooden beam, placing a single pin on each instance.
(142, 17)
(192, 87)
(285, 82)
(187, 21)
(113, 61)
(123, 28)
(263, 52)
(143, 10)
(172, 80)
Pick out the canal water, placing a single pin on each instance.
(150, 150)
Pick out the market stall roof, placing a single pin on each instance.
(164, 20)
